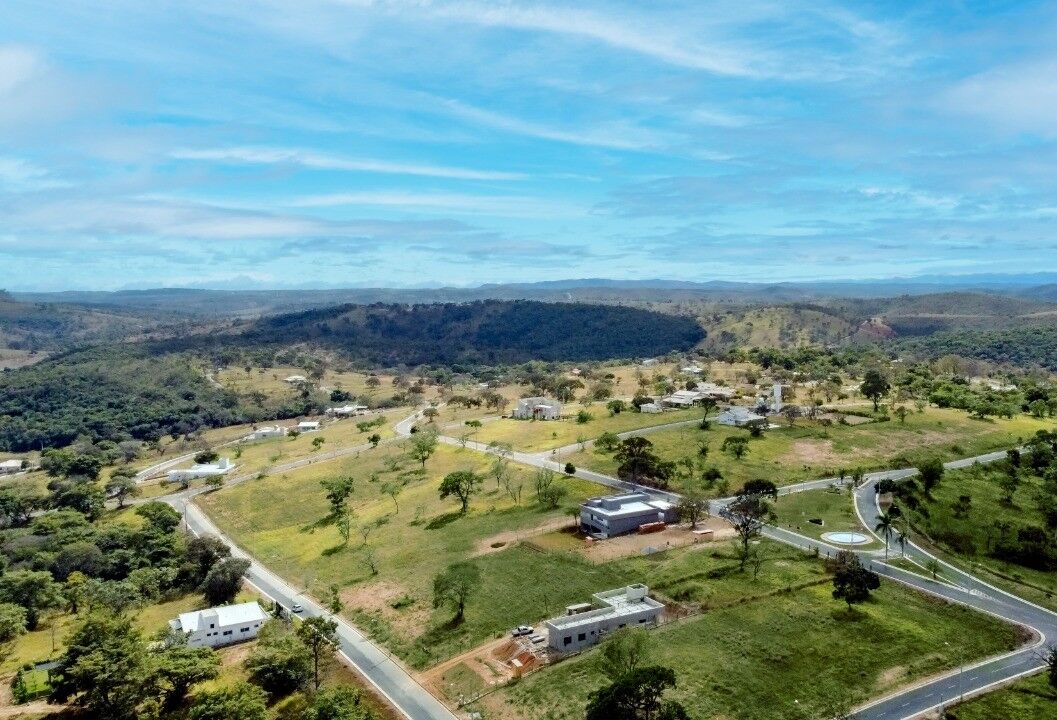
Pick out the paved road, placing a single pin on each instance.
(381, 670)
(958, 587)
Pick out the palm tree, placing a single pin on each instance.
(902, 540)
(886, 527)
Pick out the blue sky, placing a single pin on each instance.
(350, 143)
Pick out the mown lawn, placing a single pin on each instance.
(833, 507)
(795, 655)
(534, 435)
(809, 450)
(1028, 699)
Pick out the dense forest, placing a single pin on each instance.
(480, 333)
(112, 393)
(1024, 346)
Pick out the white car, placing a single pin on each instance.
(521, 630)
(297, 608)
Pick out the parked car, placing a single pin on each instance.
(297, 608)
(521, 630)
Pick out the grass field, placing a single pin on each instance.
(808, 451)
(37, 646)
(534, 435)
(834, 508)
(271, 382)
(409, 543)
(970, 538)
(797, 655)
(1028, 699)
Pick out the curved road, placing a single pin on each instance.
(395, 683)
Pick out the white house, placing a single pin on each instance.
(271, 431)
(295, 379)
(221, 467)
(650, 362)
(10, 467)
(222, 625)
(613, 609)
(650, 407)
(739, 417)
(308, 426)
(537, 408)
(348, 410)
(691, 370)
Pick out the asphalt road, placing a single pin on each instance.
(385, 673)
(394, 682)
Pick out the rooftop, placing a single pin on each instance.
(622, 601)
(224, 615)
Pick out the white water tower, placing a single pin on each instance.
(777, 390)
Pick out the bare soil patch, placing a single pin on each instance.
(811, 452)
(673, 536)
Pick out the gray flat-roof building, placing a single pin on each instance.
(612, 515)
(613, 609)
(537, 408)
(739, 417)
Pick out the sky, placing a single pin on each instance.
(346, 143)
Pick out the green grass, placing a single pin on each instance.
(834, 508)
(461, 683)
(1028, 699)
(797, 655)
(534, 435)
(809, 450)
(970, 538)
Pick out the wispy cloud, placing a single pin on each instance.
(449, 202)
(328, 161)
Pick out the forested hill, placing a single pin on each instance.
(487, 332)
(1024, 347)
(146, 390)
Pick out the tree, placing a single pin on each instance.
(636, 696)
(178, 667)
(160, 517)
(207, 456)
(791, 412)
(317, 443)
(748, 513)
(392, 489)
(607, 441)
(885, 526)
(901, 413)
(430, 413)
(735, 445)
(343, 522)
(320, 636)
(616, 407)
(423, 445)
(639, 464)
(462, 484)
(623, 651)
(104, 669)
(224, 580)
(339, 703)
(200, 555)
(241, 701)
(33, 590)
(760, 487)
(122, 485)
(1051, 665)
(374, 439)
(874, 387)
(852, 582)
(12, 621)
(692, 508)
(454, 585)
(930, 472)
(338, 491)
(281, 662)
(933, 566)
(1009, 481)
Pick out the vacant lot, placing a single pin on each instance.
(972, 534)
(795, 655)
(532, 435)
(808, 450)
(271, 382)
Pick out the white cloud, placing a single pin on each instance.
(618, 136)
(1018, 97)
(18, 65)
(502, 205)
(325, 161)
(17, 175)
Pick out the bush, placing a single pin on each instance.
(570, 469)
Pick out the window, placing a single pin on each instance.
(228, 632)
(245, 629)
(581, 637)
(642, 621)
(567, 640)
(211, 626)
(623, 625)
